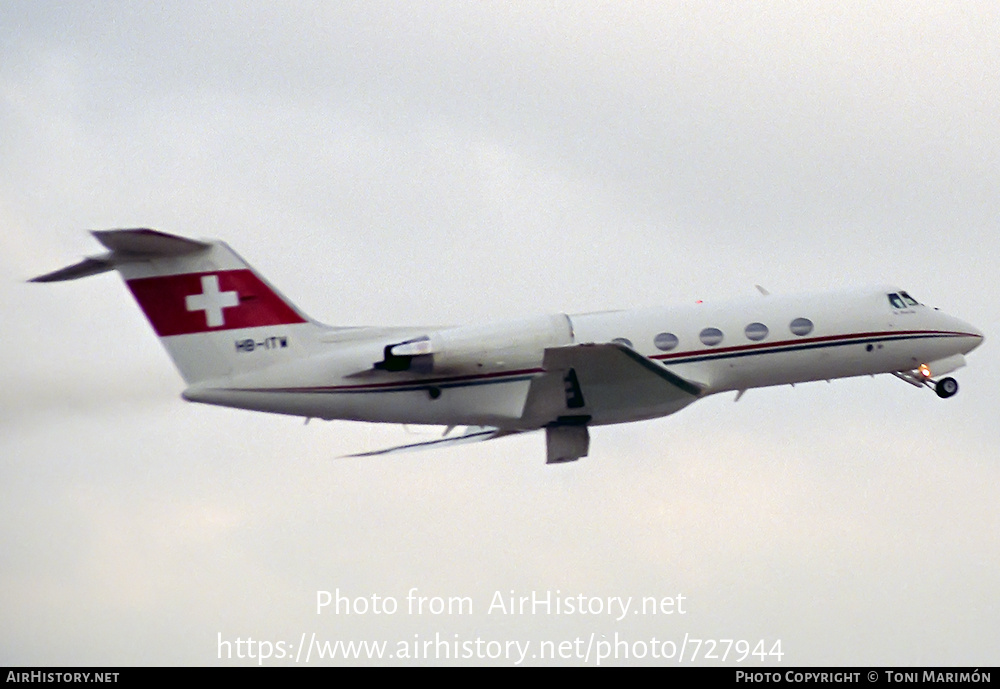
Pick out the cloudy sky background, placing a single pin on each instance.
(440, 162)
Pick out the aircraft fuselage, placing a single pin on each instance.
(837, 335)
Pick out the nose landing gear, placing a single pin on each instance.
(944, 388)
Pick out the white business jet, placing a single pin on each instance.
(238, 342)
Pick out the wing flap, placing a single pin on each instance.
(472, 434)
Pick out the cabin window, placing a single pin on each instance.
(896, 301)
(665, 341)
(623, 341)
(710, 336)
(801, 326)
(756, 332)
(910, 301)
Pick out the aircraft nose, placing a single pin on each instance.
(973, 334)
(967, 336)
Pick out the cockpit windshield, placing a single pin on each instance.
(902, 300)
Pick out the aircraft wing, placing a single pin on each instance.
(471, 434)
(604, 383)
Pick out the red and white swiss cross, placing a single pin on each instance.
(206, 302)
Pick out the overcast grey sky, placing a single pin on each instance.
(446, 162)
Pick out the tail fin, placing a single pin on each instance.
(214, 314)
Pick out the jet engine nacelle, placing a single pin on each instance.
(476, 348)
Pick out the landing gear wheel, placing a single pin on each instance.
(946, 387)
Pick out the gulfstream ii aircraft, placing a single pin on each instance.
(238, 342)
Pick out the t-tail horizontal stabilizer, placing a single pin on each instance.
(125, 246)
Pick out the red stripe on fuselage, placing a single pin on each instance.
(226, 300)
(777, 346)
